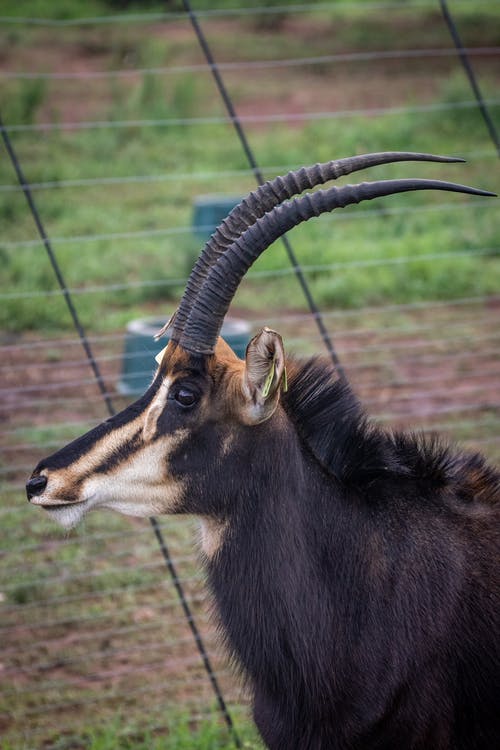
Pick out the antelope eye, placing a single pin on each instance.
(185, 397)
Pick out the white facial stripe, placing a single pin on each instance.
(102, 449)
(140, 486)
(155, 409)
(62, 479)
(63, 483)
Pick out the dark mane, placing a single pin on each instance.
(334, 426)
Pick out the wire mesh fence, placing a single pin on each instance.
(92, 630)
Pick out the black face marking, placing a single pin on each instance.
(83, 445)
(119, 455)
(182, 405)
(194, 364)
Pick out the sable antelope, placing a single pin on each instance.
(354, 570)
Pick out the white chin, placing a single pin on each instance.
(139, 510)
(67, 516)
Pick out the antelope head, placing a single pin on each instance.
(186, 445)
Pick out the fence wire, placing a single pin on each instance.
(90, 625)
(253, 119)
(301, 62)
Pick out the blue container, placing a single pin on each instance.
(209, 211)
(138, 364)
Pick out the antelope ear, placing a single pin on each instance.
(264, 374)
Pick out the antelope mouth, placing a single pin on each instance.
(60, 506)
(53, 504)
(67, 514)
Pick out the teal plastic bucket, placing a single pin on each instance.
(209, 211)
(140, 349)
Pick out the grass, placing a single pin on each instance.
(158, 214)
(182, 734)
(209, 735)
(381, 231)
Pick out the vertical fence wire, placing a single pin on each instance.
(24, 184)
(55, 265)
(469, 70)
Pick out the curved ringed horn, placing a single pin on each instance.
(205, 320)
(264, 199)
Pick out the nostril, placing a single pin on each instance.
(35, 486)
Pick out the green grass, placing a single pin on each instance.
(373, 231)
(208, 736)
(181, 733)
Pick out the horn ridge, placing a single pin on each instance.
(205, 320)
(268, 196)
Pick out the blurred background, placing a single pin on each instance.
(126, 142)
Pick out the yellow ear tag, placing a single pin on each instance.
(268, 382)
(159, 356)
